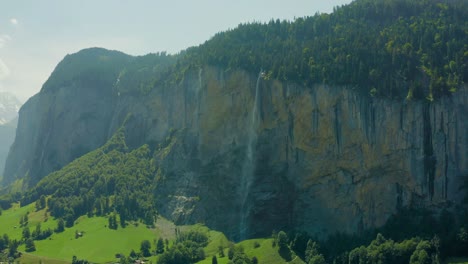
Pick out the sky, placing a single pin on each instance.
(36, 35)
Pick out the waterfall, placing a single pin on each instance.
(248, 167)
(197, 102)
(200, 71)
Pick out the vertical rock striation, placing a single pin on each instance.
(324, 159)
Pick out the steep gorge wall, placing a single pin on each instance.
(326, 159)
(58, 126)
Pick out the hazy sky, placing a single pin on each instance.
(36, 34)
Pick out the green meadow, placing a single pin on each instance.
(99, 244)
(10, 220)
(265, 252)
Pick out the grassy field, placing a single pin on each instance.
(27, 258)
(98, 244)
(265, 253)
(10, 220)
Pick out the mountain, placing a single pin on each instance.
(248, 139)
(7, 136)
(9, 107)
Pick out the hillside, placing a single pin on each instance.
(327, 124)
(108, 179)
(9, 107)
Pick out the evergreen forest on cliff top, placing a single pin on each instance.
(394, 49)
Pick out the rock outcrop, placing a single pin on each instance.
(324, 159)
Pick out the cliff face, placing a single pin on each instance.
(7, 136)
(9, 106)
(56, 127)
(247, 155)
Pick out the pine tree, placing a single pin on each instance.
(113, 222)
(26, 233)
(145, 248)
(60, 226)
(160, 246)
(29, 245)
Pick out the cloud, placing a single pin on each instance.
(3, 40)
(4, 70)
(14, 21)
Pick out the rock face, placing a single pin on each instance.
(322, 159)
(7, 136)
(9, 106)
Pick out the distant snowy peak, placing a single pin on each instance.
(9, 107)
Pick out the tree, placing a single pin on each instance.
(69, 217)
(24, 220)
(240, 257)
(160, 246)
(214, 260)
(221, 251)
(113, 222)
(75, 260)
(311, 250)
(60, 226)
(38, 205)
(149, 218)
(299, 244)
(145, 248)
(283, 248)
(231, 252)
(317, 259)
(4, 241)
(254, 260)
(36, 234)
(124, 260)
(421, 255)
(29, 245)
(199, 254)
(41, 203)
(274, 235)
(26, 233)
(13, 248)
(282, 240)
(3, 244)
(122, 220)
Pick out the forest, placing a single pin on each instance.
(396, 49)
(391, 48)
